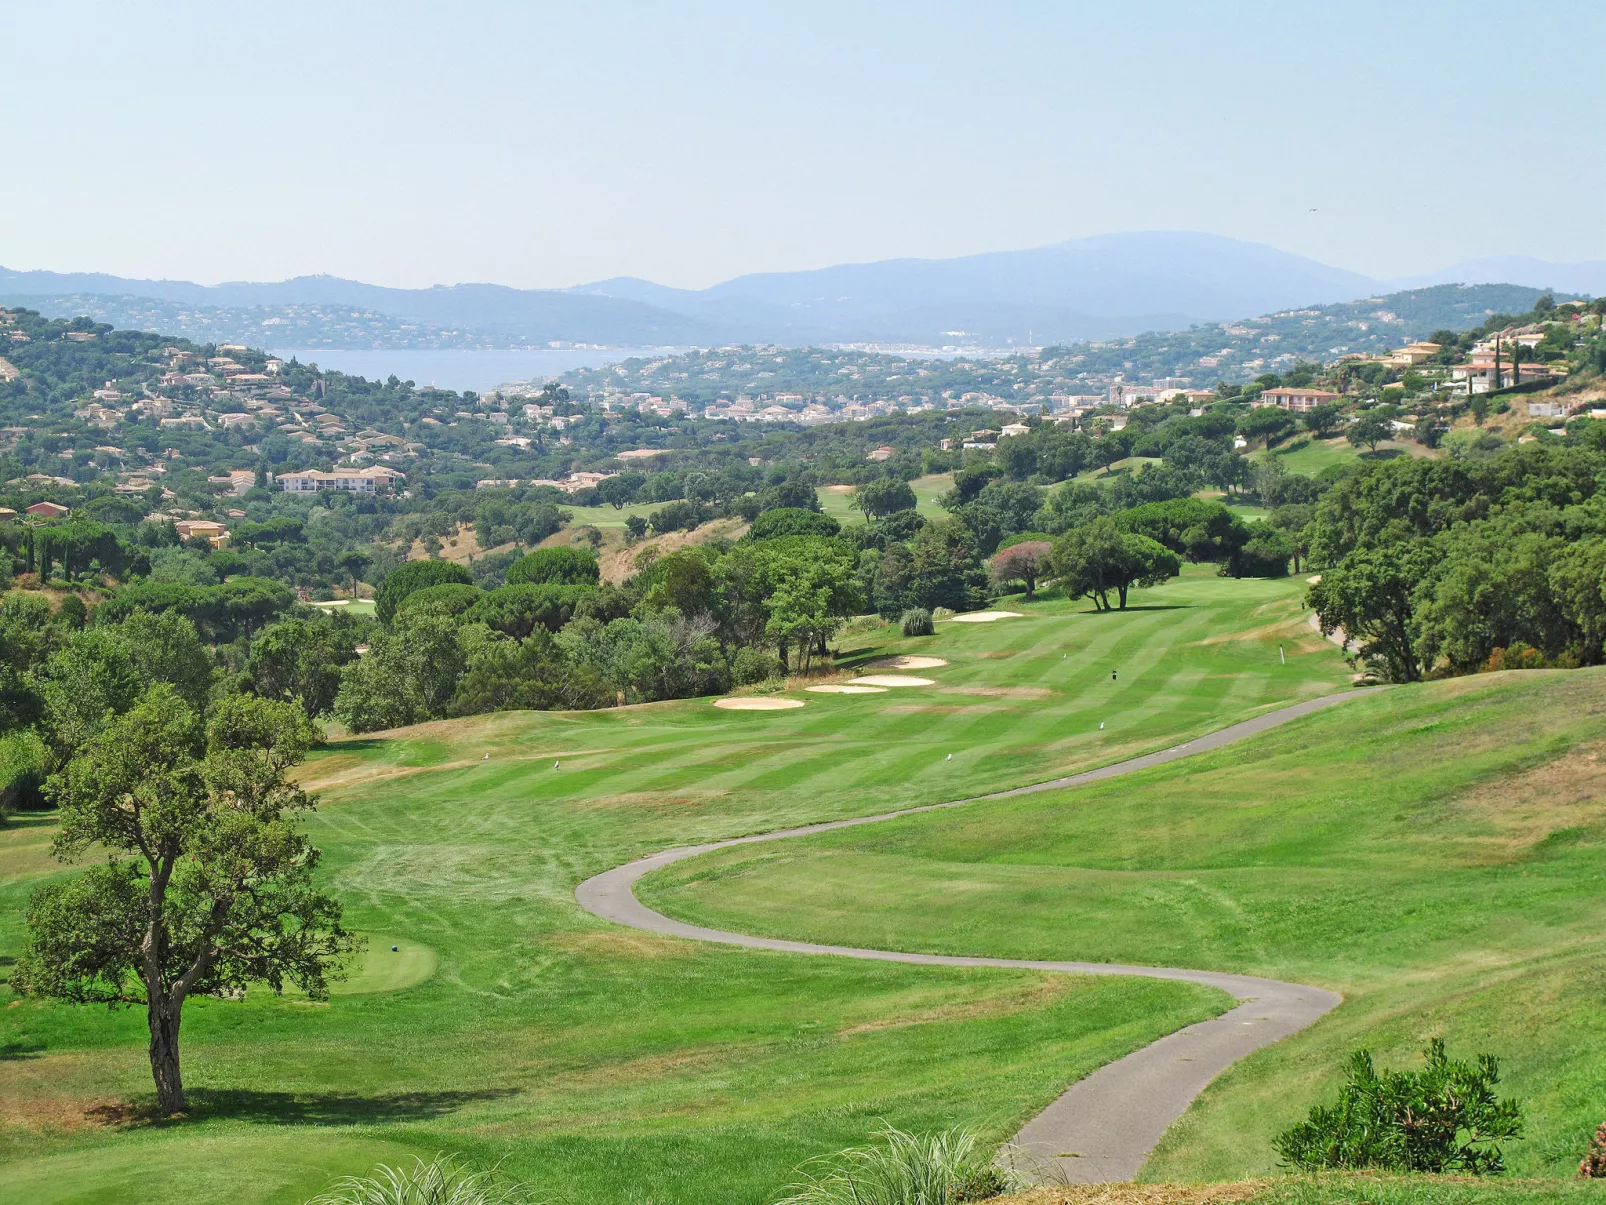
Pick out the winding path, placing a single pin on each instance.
(1104, 1126)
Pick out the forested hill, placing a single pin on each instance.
(1234, 352)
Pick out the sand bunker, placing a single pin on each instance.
(907, 662)
(986, 616)
(758, 704)
(892, 680)
(846, 688)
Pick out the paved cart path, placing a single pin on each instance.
(1104, 1126)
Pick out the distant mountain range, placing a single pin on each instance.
(1110, 286)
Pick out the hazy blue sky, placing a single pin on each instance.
(537, 145)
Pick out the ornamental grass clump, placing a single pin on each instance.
(916, 621)
(1444, 1118)
(904, 1169)
(442, 1181)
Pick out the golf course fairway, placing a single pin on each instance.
(608, 1066)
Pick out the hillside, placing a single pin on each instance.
(1106, 287)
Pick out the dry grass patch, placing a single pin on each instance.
(1032, 995)
(610, 943)
(1519, 812)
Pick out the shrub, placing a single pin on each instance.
(440, 1182)
(907, 1169)
(24, 765)
(916, 621)
(555, 567)
(1444, 1118)
(1593, 1166)
(751, 666)
(414, 575)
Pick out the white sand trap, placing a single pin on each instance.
(846, 688)
(908, 661)
(1314, 578)
(986, 616)
(892, 680)
(758, 704)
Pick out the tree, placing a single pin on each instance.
(619, 491)
(555, 567)
(354, 563)
(884, 496)
(207, 885)
(1369, 597)
(1369, 430)
(1322, 421)
(792, 521)
(1021, 562)
(415, 575)
(299, 661)
(1266, 422)
(635, 527)
(1099, 558)
(408, 674)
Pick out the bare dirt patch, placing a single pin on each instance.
(1138, 1194)
(617, 561)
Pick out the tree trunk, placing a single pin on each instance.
(1122, 591)
(164, 1020)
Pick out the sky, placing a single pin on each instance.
(540, 145)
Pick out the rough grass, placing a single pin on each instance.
(612, 1067)
(1433, 852)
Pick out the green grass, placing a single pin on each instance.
(1434, 852)
(1311, 456)
(356, 606)
(608, 1066)
(837, 501)
(607, 517)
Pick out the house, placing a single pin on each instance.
(215, 533)
(7, 514)
(1411, 356)
(356, 481)
(48, 510)
(882, 453)
(1015, 429)
(1287, 397)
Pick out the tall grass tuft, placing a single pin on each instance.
(442, 1181)
(903, 1169)
(916, 622)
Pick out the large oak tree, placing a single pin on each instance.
(207, 884)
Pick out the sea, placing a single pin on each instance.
(480, 370)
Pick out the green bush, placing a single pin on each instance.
(916, 621)
(907, 1169)
(555, 567)
(1444, 1118)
